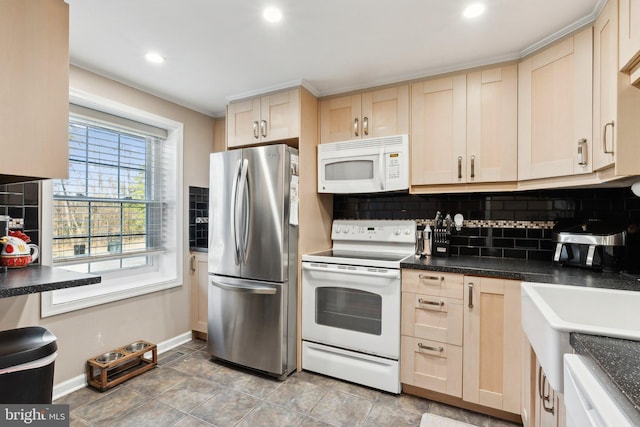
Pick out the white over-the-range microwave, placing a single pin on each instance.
(364, 165)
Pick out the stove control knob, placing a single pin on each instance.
(338, 229)
(397, 232)
(407, 231)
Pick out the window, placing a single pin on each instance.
(118, 213)
(108, 213)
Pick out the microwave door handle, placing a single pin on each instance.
(381, 168)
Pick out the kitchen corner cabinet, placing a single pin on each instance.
(376, 113)
(461, 336)
(265, 119)
(555, 109)
(199, 279)
(616, 104)
(34, 88)
(464, 128)
(629, 44)
(492, 343)
(549, 404)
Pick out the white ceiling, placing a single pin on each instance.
(217, 50)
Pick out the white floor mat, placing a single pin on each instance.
(431, 420)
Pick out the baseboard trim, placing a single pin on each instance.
(80, 381)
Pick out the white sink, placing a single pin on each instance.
(551, 312)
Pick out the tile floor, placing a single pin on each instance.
(188, 389)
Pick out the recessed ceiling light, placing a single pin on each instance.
(272, 14)
(154, 57)
(474, 10)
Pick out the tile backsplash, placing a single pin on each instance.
(20, 201)
(508, 225)
(198, 217)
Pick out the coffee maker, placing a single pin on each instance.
(592, 244)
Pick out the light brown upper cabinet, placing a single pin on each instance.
(605, 74)
(34, 88)
(554, 109)
(376, 113)
(616, 104)
(629, 60)
(464, 128)
(268, 118)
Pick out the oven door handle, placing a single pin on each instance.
(387, 274)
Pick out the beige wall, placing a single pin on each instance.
(155, 317)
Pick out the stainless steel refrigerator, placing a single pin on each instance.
(253, 258)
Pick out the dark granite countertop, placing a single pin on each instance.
(615, 363)
(527, 271)
(39, 278)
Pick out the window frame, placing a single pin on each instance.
(166, 269)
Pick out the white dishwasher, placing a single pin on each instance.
(588, 403)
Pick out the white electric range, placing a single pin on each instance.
(351, 302)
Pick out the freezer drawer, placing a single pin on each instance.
(247, 323)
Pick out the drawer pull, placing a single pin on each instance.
(425, 277)
(424, 301)
(427, 347)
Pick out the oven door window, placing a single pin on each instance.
(349, 309)
(349, 170)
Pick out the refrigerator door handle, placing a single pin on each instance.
(234, 213)
(242, 233)
(251, 289)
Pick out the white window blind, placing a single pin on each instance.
(110, 212)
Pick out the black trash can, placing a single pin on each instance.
(27, 357)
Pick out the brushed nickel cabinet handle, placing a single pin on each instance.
(459, 167)
(604, 137)
(425, 277)
(263, 128)
(192, 263)
(356, 125)
(470, 295)
(473, 167)
(424, 301)
(365, 125)
(582, 152)
(427, 347)
(256, 133)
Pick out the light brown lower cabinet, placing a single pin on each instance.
(461, 336)
(199, 277)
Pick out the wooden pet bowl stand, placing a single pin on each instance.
(119, 365)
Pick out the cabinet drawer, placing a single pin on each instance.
(433, 318)
(431, 365)
(433, 283)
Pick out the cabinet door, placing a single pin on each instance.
(280, 116)
(549, 405)
(340, 119)
(629, 33)
(199, 284)
(385, 112)
(438, 131)
(554, 109)
(492, 343)
(243, 121)
(34, 88)
(492, 125)
(605, 79)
